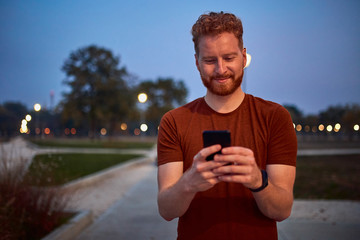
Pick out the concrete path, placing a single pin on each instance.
(135, 217)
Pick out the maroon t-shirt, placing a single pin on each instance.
(228, 210)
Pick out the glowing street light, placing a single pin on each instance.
(123, 126)
(24, 128)
(28, 118)
(37, 107)
(142, 97)
(103, 131)
(143, 127)
(329, 128)
(337, 127)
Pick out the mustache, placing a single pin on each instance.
(221, 76)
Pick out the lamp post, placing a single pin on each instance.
(37, 108)
(142, 98)
(24, 122)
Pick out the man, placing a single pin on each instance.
(249, 186)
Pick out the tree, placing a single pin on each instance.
(333, 114)
(11, 114)
(164, 94)
(350, 118)
(99, 91)
(295, 113)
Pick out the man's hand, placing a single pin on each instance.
(243, 168)
(202, 176)
(275, 201)
(177, 189)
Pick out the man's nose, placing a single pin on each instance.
(220, 67)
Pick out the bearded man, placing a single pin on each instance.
(249, 185)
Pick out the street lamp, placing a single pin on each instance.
(28, 117)
(142, 97)
(37, 108)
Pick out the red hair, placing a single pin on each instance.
(216, 23)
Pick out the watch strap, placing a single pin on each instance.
(264, 182)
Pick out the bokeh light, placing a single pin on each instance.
(47, 131)
(37, 107)
(137, 132)
(28, 118)
(103, 131)
(329, 128)
(142, 97)
(143, 127)
(123, 126)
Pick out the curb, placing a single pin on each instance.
(327, 152)
(106, 173)
(72, 228)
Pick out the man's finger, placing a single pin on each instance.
(237, 150)
(201, 156)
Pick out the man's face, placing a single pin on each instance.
(221, 63)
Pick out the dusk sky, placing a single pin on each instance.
(305, 53)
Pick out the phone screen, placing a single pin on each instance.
(221, 137)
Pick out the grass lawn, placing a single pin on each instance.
(86, 143)
(57, 169)
(328, 177)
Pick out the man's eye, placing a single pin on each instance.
(209, 61)
(229, 59)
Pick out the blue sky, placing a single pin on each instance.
(305, 53)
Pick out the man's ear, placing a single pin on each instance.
(244, 56)
(197, 62)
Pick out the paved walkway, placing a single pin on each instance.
(135, 217)
(124, 207)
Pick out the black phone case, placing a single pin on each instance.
(221, 137)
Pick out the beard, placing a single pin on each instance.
(222, 89)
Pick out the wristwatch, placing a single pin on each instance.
(264, 182)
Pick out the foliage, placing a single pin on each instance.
(64, 168)
(349, 116)
(295, 113)
(26, 212)
(11, 114)
(99, 93)
(164, 94)
(346, 115)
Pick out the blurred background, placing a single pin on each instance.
(85, 84)
(86, 62)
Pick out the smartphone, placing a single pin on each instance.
(221, 137)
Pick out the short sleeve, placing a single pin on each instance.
(282, 147)
(168, 144)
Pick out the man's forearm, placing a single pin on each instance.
(174, 201)
(274, 202)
